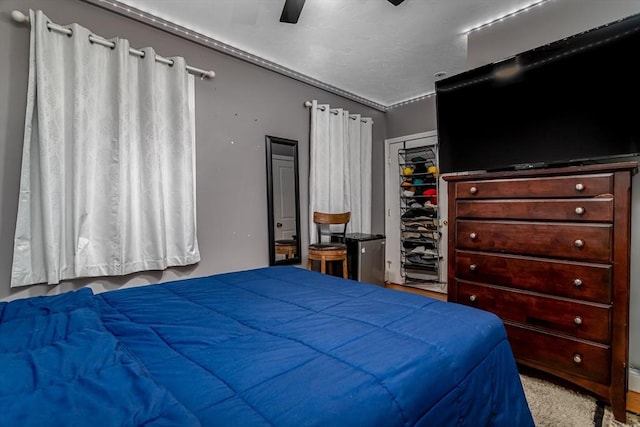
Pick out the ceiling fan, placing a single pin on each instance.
(292, 9)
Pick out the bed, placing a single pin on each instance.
(276, 346)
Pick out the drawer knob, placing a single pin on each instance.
(473, 190)
(577, 358)
(579, 210)
(577, 320)
(579, 243)
(577, 283)
(473, 298)
(579, 187)
(473, 236)
(473, 267)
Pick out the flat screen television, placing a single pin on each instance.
(574, 101)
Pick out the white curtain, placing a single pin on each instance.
(108, 169)
(340, 167)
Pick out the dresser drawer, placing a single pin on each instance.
(589, 242)
(590, 321)
(561, 353)
(584, 281)
(598, 209)
(556, 187)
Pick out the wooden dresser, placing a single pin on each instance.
(547, 250)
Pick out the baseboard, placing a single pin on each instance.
(634, 380)
(633, 396)
(432, 294)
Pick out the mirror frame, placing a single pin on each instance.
(270, 140)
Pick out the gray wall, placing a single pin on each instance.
(412, 118)
(552, 21)
(234, 113)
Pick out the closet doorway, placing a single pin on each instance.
(394, 271)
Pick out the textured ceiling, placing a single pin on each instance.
(369, 48)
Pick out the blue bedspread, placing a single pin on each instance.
(278, 346)
(59, 366)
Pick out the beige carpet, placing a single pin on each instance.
(555, 406)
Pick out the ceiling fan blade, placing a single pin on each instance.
(395, 2)
(291, 11)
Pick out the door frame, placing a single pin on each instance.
(391, 219)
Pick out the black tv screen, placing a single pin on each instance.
(573, 101)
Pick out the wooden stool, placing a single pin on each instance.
(328, 252)
(286, 248)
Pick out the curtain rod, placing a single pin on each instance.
(335, 111)
(24, 19)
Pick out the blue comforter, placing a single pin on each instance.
(278, 346)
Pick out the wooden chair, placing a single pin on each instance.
(327, 251)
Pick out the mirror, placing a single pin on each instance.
(283, 195)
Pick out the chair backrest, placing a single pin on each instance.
(324, 221)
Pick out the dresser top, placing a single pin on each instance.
(526, 173)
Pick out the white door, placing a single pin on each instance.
(284, 207)
(393, 271)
